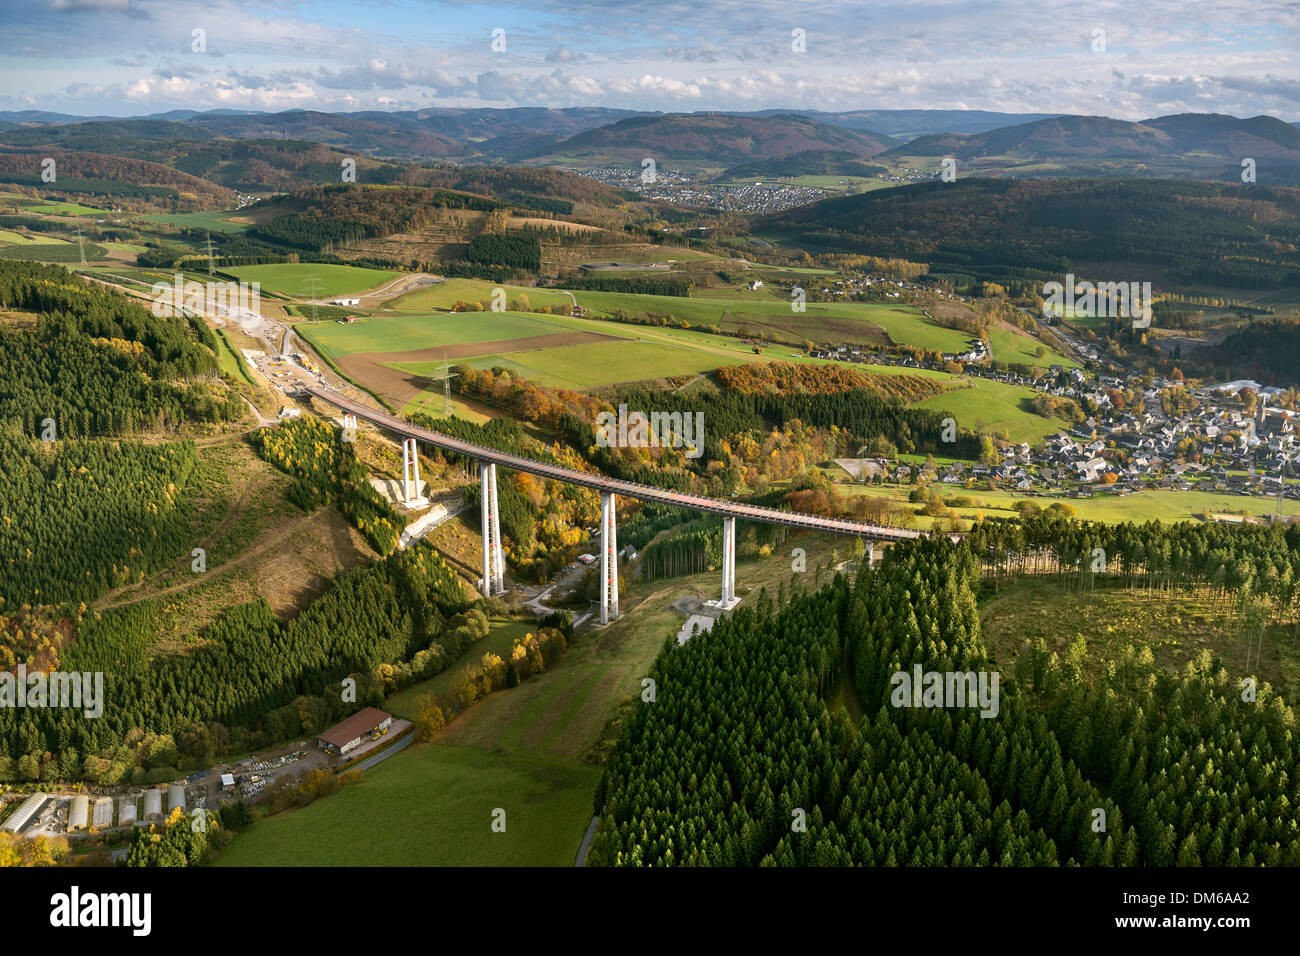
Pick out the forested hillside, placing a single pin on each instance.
(79, 517)
(98, 363)
(252, 680)
(316, 218)
(1011, 231)
(107, 175)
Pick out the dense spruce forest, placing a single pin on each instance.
(1015, 231)
(80, 517)
(633, 285)
(741, 745)
(98, 363)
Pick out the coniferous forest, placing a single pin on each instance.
(741, 759)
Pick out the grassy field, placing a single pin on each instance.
(822, 322)
(996, 407)
(446, 294)
(730, 310)
(215, 221)
(592, 364)
(8, 235)
(53, 252)
(408, 333)
(295, 278)
(58, 208)
(647, 352)
(433, 805)
(1159, 505)
(1011, 345)
(432, 402)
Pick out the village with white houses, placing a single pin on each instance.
(1225, 437)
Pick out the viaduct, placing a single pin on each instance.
(488, 459)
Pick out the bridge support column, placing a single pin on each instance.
(871, 553)
(411, 474)
(728, 563)
(493, 559)
(608, 558)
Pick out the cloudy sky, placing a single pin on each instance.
(1122, 59)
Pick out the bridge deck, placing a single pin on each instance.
(628, 489)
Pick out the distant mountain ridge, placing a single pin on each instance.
(1194, 145)
(722, 138)
(1222, 136)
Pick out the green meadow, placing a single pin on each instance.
(295, 279)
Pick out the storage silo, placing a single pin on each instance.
(103, 812)
(126, 812)
(175, 797)
(79, 815)
(152, 803)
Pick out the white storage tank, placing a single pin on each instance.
(79, 814)
(175, 797)
(126, 812)
(152, 803)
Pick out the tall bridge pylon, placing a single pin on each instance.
(608, 558)
(494, 570)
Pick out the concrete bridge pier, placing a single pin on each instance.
(608, 558)
(729, 599)
(494, 576)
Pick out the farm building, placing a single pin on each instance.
(28, 810)
(345, 301)
(102, 815)
(175, 797)
(152, 803)
(126, 811)
(347, 735)
(79, 815)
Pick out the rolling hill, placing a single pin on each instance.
(1205, 145)
(98, 174)
(716, 138)
(341, 130)
(1026, 230)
